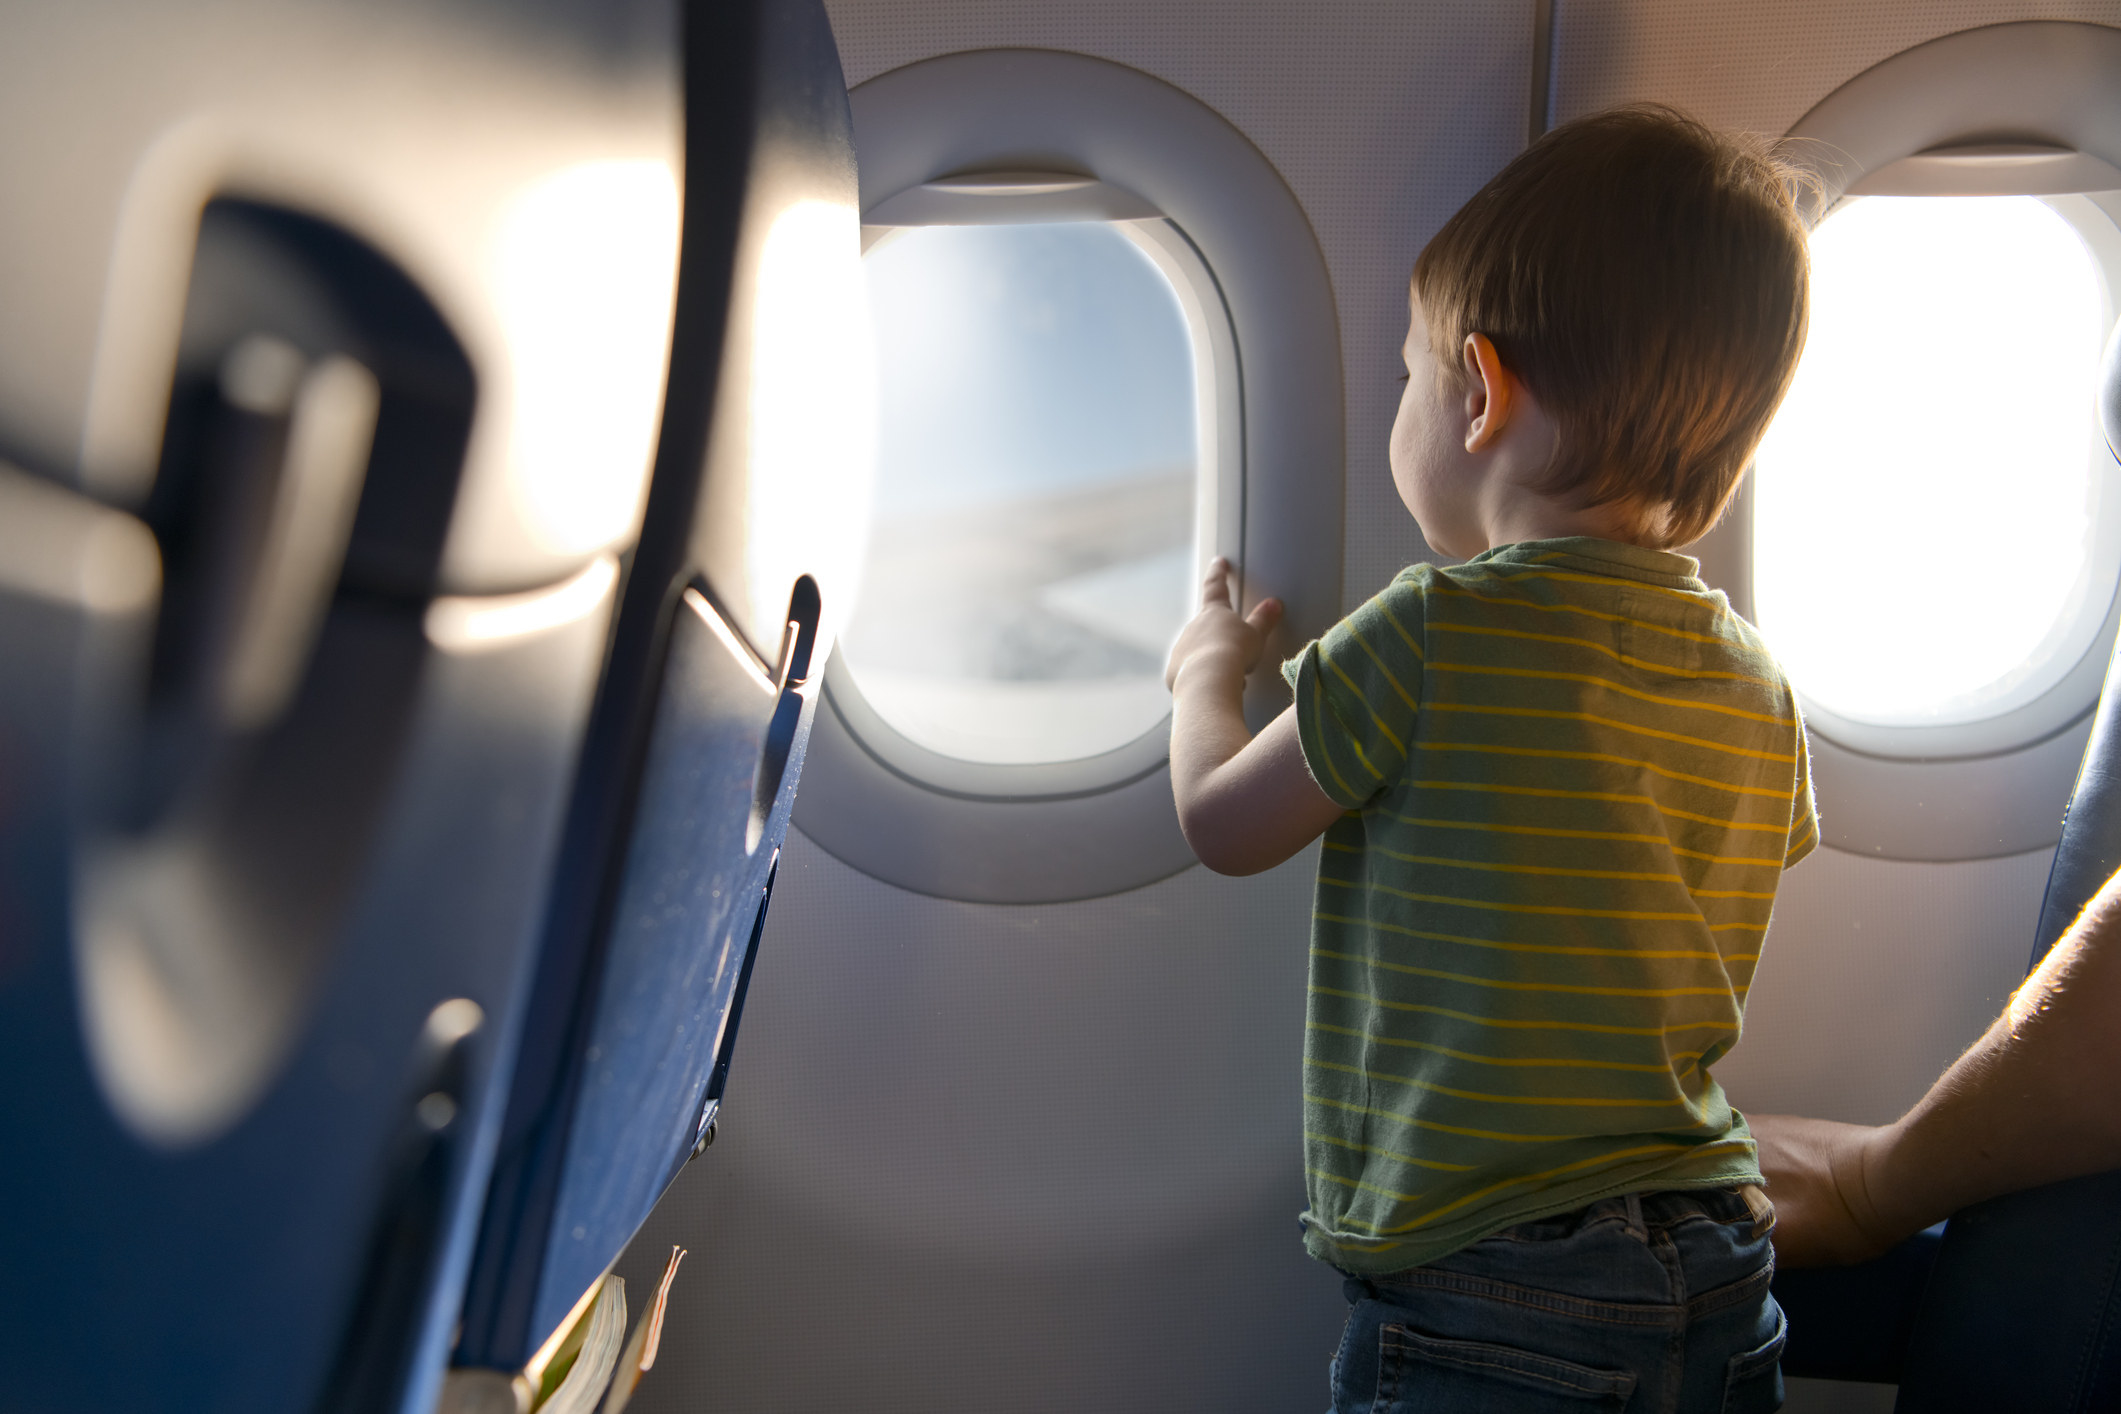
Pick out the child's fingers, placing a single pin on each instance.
(1215, 589)
(1264, 615)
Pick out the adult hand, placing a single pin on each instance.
(1815, 1170)
(1219, 639)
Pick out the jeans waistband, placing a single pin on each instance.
(1642, 1212)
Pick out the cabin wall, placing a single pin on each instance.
(1759, 66)
(1046, 1158)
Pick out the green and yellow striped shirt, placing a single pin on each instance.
(1574, 778)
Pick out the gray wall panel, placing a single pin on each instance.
(982, 1156)
(1760, 65)
(1876, 975)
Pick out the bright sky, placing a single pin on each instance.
(1023, 360)
(1924, 498)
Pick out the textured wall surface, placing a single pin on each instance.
(1761, 65)
(988, 1157)
(1877, 974)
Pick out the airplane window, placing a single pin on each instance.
(1066, 432)
(1033, 533)
(1928, 500)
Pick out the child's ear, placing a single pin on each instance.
(1491, 392)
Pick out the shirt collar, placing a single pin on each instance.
(1607, 557)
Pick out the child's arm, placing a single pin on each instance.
(1245, 803)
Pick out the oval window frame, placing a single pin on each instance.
(2044, 85)
(1218, 219)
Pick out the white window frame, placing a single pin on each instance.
(2030, 108)
(1000, 136)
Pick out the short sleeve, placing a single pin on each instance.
(1804, 813)
(1358, 691)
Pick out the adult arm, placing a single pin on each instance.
(1245, 803)
(2036, 1100)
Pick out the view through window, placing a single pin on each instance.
(1032, 549)
(1925, 500)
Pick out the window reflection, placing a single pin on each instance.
(1033, 534)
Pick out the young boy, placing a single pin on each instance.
(1558, 784)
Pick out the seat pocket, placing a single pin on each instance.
(1752, 1383)
(1431, 1375)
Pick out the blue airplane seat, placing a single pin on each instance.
(334, 637)
(1856, 1323)
(690, 765)
(2017, 1305)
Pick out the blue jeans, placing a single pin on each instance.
(1652, 1303)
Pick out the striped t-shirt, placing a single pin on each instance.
(1574, 778)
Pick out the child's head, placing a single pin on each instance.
(1645, 277)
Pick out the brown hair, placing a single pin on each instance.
(1646, 277)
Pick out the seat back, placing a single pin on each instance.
(329, 660)
(689, 772)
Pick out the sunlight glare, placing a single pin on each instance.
(1926, 496)
(813, 405)
(586, 265)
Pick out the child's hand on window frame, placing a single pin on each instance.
(1218, 639)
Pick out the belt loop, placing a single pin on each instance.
(1359, 1288)
(1635, 1223)
(1757, 1203)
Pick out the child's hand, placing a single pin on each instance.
(1245, 803)
(1219, 640)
